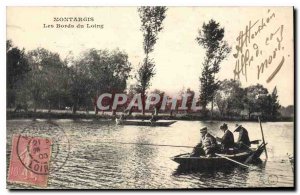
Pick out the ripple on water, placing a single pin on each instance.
(94, 164)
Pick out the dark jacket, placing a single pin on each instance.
(243, 137)
(227, 140)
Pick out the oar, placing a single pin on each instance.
(220, 155)
(255, 141)
(263, 138)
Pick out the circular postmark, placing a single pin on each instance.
(34, 153)
(273, 179)
(269, 179)
(43, 147)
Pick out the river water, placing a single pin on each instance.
(95, 159)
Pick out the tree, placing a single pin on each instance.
(207, 86)
(236, 98)
(229, 97)
(210, 37)
(45, 80)
(161, 94)
(256, 99)
(151, 19)
(16, 69)
(275, 106)
(102, 71)
(79, 85)
(131, 91)
(287, 111)
(189, 98)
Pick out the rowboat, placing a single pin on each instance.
(144, 123)
(187, 161)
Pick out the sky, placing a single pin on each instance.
(177, 55)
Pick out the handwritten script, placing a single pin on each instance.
(251, 50)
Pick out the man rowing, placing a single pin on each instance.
(207, 145)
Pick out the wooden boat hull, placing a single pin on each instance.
(187, 162)
(144, 123)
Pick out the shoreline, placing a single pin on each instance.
(52, 115)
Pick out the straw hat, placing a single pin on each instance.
(203, 130)
(237, 127)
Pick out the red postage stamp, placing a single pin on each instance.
(29, 161)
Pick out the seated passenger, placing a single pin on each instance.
(243, 141)
(207, 145)
(227, 140)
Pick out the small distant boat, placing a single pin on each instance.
(144, 123)
(188, 162)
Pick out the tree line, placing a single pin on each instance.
(230, 98)
(41, 79)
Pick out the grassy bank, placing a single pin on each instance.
(69, 115)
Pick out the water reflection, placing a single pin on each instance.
(97, 159)
(221, 177)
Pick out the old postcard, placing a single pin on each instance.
(150, 97)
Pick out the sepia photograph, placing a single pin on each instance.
(150, 98)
